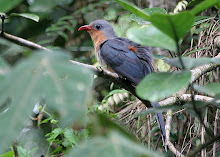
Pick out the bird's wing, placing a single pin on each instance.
(123, 61)
(143, 53)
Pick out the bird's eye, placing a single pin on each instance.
(98, 26)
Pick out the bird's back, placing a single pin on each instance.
(126, 58)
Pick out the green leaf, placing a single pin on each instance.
(158, 109)
(9, 48)
(162, 66)
(174, 26)
(201, 19)
(151, 11)
(115, 145)
(24, 153)
(210, 89)
(216, 101)
(43, 6)
(115, 92)
(7, 5)
(189, 62)
(53, 135)
(157, 86)
(48, 76)
(196, 50)
(148, 11)
(27, 15)
(151, 36)
(133, 9)
(21, 151)
(160, 57)
(8, 154)
(200, 106)
(4, 68)
(203, 6)
(70, 136)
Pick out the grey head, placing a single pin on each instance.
(104, 26)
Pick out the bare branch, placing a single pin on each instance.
(22, 42)
(215, 131)
(168, 128)
(100, 72)
(185, 97)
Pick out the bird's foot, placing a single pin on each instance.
(99, 68)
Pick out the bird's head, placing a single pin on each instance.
(99, 26)
(99, 30)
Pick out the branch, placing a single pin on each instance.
(22, 42)
(114, 78)
(100, 72)
(185, 97)
(168, 128)
(172, 100)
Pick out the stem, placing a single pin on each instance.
(3, 23)
(209, 131)
(177, 44)
(179, 55)
(15, 149)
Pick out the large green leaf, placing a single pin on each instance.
(115, 145)
(216, 101)
(151, 36)
(175, 26)
(196, 50)
(158, 109)
(4, 68)
(7, 5)
(190, 63)
(210, 89)
(48, 76)
(148, 11)
(133, 9)
(157, 86)
(204, 5)
(43, 6)
(27, 15)
(7, 154)
(200, 106)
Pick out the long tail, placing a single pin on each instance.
(160, 121)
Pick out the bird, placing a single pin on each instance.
(122, 56)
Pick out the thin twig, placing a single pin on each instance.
(215, 131)
(41, 114)
(199, 114)
(22, 42)
(15, 149)
(168, 129)
(203, 152)
(202, 146)
(3, 24)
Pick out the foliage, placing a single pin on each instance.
(72, 122)
(46, 76)
(172, 83)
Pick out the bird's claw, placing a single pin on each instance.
(99, 68)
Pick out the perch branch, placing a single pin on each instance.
(22, 42)
(100, 72)
(185, 97)
(196, 73)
